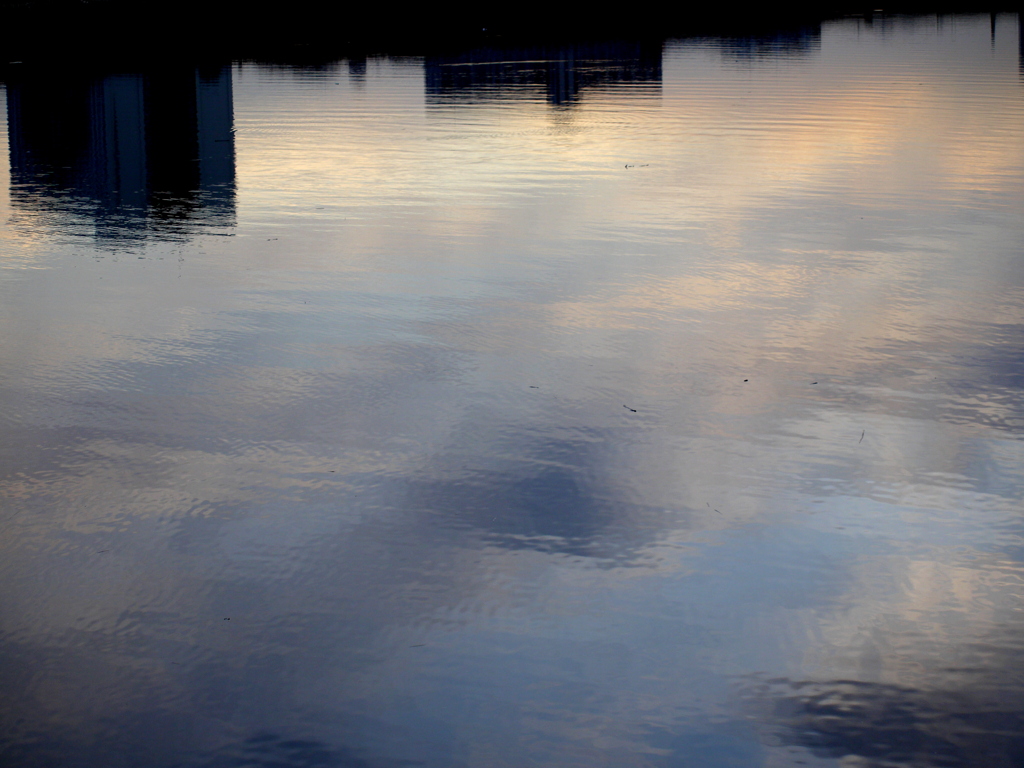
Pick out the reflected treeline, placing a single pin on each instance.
(560, 72)
(132, 154)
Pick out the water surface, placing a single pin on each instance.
(591, 405)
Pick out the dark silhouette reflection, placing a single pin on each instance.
(788, 43)
(560, 72)
(887, 725)
(357, 69)
(132, 154)
(1020, 43)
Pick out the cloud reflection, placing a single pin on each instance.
(872, 725)
(508, 434)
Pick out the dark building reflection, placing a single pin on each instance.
(126, 155)
(789, 43)
(559, 72)
(357, 70)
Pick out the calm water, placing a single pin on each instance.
(609, 405)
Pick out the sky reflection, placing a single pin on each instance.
(604, 406)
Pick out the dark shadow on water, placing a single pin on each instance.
(126, 156)
(101, 29)
(113, 30)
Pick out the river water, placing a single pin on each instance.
(623, 404)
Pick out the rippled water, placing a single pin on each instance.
(598, 405)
